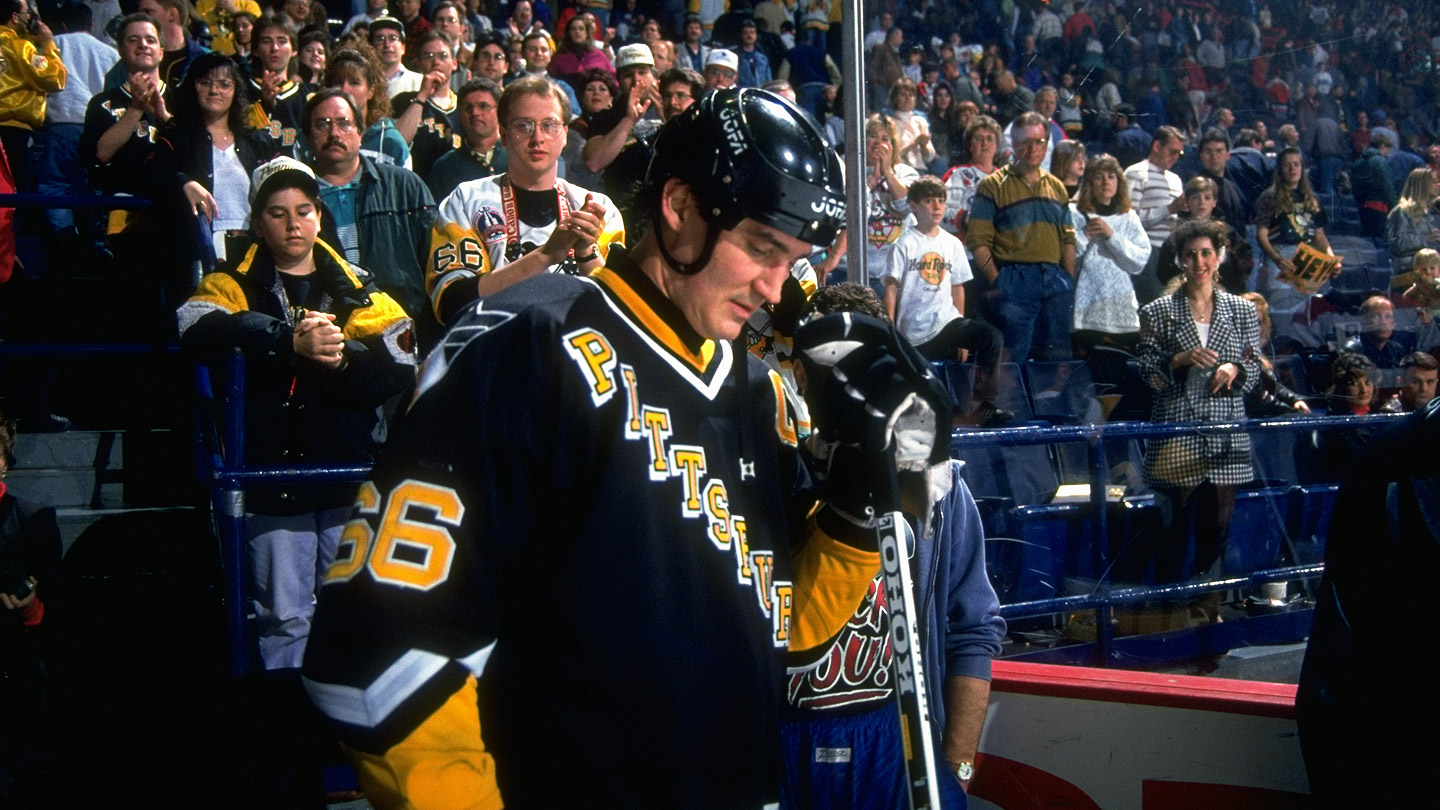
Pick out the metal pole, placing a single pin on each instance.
(853, 92)
(1099, 504)
(230, 498)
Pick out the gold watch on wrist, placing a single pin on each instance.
(964, 770)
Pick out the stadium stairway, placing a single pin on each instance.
(84, 475)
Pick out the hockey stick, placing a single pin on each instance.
(905, 664)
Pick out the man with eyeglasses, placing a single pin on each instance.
(1024, 245)
(537, 51)
(378, 215)
(387, 37)
(429, 118)
(416, 25)
(494, 232)
(1158, 197)
(481, 154)
(490, 60)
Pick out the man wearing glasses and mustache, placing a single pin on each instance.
(377, 215)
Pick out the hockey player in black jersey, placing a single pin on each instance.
(571, 578)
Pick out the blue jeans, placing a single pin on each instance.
(1329, 169)
(61, 171)
(1033, 305)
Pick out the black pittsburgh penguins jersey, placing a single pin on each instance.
(579, 510)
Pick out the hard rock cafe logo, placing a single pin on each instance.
(932, 268)
(856, 667)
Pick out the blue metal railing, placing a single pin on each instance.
(1103, 599)
(230, 476)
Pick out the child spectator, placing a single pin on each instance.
(326, 353)
(925, 298)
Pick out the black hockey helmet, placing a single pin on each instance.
(747, 152)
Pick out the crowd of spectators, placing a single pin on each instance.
(1263, 116)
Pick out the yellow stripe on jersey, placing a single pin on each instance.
(456, 253)
(427, 771)
(831, 578)
(653, 323)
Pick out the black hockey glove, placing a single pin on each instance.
(876, 408)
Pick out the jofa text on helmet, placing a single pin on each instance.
(730, 123)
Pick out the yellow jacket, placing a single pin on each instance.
(27, 75)
(222, 33)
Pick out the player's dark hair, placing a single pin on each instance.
(925, 187)
(1421, 360)
(846, 296)
(687, 75)
(134, 19)
(1215, 135)
(480, 84)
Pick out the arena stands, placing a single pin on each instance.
(88, 292)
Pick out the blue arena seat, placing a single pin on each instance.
(1011, 394)
(1258, 530)
(1290, 371)
(959, 380)
(1310, 520)
(1054, 542)
(1062, 392)
(1273, 456)
(1026, 473)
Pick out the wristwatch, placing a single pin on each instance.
(964, 770)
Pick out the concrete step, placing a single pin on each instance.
(71, 487)
(69, 450)
(74, 520)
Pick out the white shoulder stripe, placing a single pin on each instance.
(370, 706)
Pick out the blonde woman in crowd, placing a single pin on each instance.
(1110, 247)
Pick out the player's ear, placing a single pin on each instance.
(677, 203)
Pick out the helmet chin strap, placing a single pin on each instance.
(712, 235)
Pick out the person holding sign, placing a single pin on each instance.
(1288, 219)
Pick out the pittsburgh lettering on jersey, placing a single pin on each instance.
(855, 669)
(597, 362)
(703, 492)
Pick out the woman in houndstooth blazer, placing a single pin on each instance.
(1198, 352)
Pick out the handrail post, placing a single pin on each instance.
(1100, 522)
(230, 498)
(230, 518)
